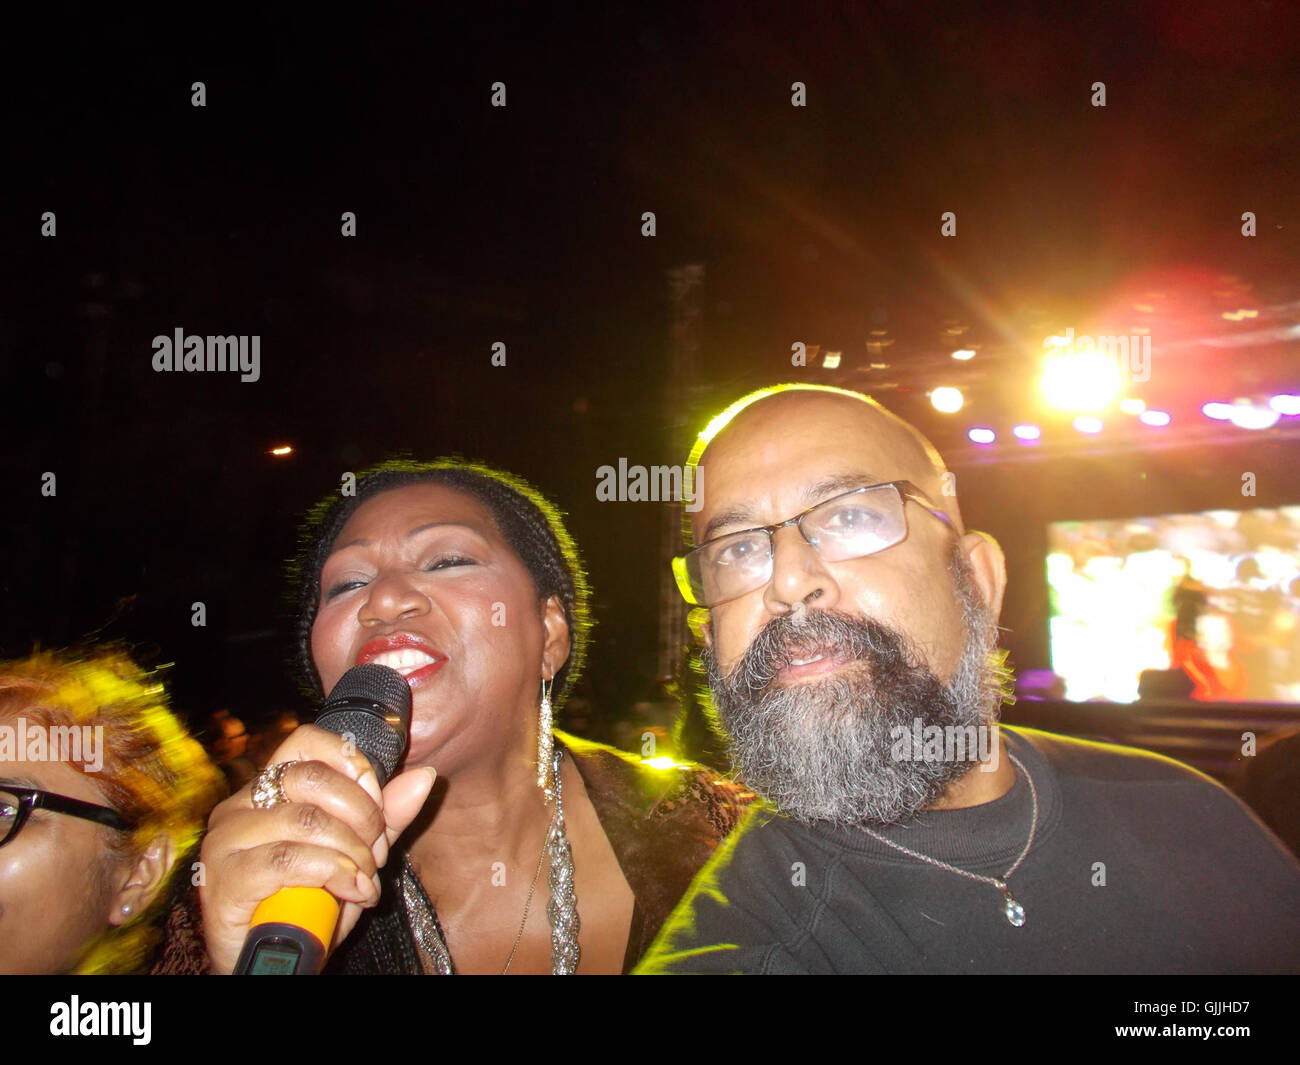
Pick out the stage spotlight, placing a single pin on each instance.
(1080, 380)
(982, 435)
(948, 400)
(1132, 406)
(1285, 404)
(1157, 418)
(1026, 432)
(1248, 416)
(1088, 424)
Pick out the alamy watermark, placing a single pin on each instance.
(1130, 355)
(77, 1018)
(33, 742)
(655, 484)
(946, 743)
(211, 354)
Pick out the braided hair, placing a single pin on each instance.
(529, 523)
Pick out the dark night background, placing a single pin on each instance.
(522, 225)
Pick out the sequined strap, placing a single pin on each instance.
(430, 944)
(561, 909)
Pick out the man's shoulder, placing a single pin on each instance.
(734, 885)
(1091, 760)
(763, 844)
(1133, 782)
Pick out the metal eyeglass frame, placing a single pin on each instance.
(906, 490)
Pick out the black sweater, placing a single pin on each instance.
(1139, 865)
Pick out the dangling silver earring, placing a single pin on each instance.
(545, 744)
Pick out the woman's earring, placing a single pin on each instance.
(545, 743)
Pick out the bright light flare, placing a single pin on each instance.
(1252, 417)
(963, 354)
(1080, 380)
(948, 400)
(283, 449)
(1088, 424)
(1132, 406)
(982, 434)
(1026, 432)
(1156, 418)
(1285, 404)
(1219, 412)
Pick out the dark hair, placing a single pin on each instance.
(530, 524)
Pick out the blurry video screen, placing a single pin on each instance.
(1215, 595)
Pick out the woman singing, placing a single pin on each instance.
(497, 849)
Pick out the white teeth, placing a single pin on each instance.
(806, 661)
(406, 661)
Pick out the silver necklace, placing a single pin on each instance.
(1011, 909)
(561, 910)
(528, 902)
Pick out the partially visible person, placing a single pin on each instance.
(231, 749)
(103, 794)
(1192, 623)
(1270, 782)
(263, 743)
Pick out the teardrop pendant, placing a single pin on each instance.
(1012, 910)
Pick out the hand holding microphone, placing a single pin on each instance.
(329, 826)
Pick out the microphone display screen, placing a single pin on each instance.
(275, 960)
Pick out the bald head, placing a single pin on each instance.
(836, 436)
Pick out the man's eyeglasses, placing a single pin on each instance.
(16, 805)
(848, 526)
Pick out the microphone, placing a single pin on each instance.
(291, 931)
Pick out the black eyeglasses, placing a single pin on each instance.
(16, 805)
(853, 525)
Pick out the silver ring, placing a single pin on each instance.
(268, 787)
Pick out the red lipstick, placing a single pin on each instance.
(416, 659)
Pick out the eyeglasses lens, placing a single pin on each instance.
(8, 813)
(852, 526)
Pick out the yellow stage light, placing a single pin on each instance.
(1080, 380)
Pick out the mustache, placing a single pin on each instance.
(827, 632)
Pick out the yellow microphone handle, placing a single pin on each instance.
(310, 908)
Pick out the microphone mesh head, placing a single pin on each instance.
(372, 705)
(376, 684)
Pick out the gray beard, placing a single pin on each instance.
(824, 751)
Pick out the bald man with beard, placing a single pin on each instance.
(851, 651)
